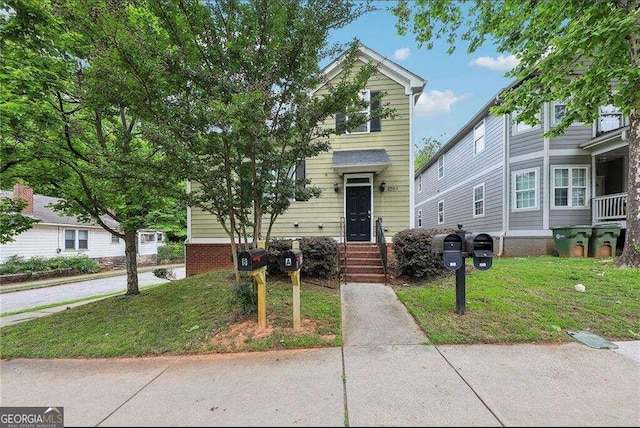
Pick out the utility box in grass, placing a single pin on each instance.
(572, 241)
(603, 241)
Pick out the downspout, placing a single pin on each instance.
(505, 186)
(188, 214)
(412, 198)
(546, 188)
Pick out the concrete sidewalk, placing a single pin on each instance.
(385, 375)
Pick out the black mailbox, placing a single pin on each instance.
(252, 259)
(480, 247)
(291, 260)
(450, 246)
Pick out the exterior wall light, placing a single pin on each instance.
(336, 187)
(383, 186)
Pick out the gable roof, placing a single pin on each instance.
(42, 210)
(413, 84)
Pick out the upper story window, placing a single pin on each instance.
(420, 183)
(478, 138)
(610, 118)
(115, 239)
(570, 186)
(559, 112)
(76, 239)
(525, 189)
(440, 167)
(478, 200)
(520, 127)
(372, 101)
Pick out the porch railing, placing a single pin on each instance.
(382, 244)
(609, 208)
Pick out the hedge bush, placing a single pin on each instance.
(319, 255)
(413, 255)
(17, 264)
(171, 251)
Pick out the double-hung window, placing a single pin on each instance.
(478, 200)
(440, 167)
(610, 118)
(570, 186)
(478, 138)
(76, 239)
(525, 189)
(371, 102)
(420, 183)
(518, 127)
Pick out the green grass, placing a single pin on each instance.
(188, 316)
(530, 300)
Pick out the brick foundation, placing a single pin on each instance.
(201, 258)
(530, 246)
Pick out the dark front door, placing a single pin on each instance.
(358, 213)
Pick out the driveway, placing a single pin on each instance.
(28, 299)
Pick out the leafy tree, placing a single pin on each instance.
(425, 150)
(12, 222)
(65, 135)
(227, 85)
(585, 52)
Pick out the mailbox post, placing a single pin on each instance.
(291, 262)
(455, 248)
(254, 262)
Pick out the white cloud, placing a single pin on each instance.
(434, 102)
(501, 63)
(402, 53)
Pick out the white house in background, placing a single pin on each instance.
(56, 235)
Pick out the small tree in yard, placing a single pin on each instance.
(12, 222)
(584, 52)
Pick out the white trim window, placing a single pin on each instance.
(559, 111)
(525, 189)
(570, 186)
(420, 183)
(419, 218)
(115, 239)
(520, 127)
(76, 239)
(365, 97)
(440, 212)
(478, 200)
(440, 167)
(478, 138)
(147, 238)
(610, 118)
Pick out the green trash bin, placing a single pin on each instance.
(603, 241)
(572, 241)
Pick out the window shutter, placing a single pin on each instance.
(340, 122)
(376, 125)
(300, 175)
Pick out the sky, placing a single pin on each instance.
(458, 85)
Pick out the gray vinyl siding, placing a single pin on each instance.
(572, 138)
(456, 187)
(523, 143)
(559, 217)
(526, 219)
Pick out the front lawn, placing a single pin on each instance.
(189, 316)
(529, 299)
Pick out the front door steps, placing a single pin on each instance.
(363, 263)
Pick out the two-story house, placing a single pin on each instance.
(505, 178)
(367, 174)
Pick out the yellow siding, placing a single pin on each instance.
(392, 205)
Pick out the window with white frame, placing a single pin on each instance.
(115, 239)
(570, 186)
(610, 118)
(559, 112)
(147, 238)
(478, 138)
(440, 212)
(520, 127)
(420, 183)
(419, 218)
(525, 189)
(76, 239)
(478, 200)
(440, 167)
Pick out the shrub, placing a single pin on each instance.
(274, 251)
(244, 295)
(319, 256)
(17, 264)
(171, 251)
(165, 273)
(413, 255)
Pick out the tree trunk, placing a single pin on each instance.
(132, 263)
(631, 254)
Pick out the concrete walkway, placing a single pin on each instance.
(385, 375)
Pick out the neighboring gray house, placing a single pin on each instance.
(505, 178)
